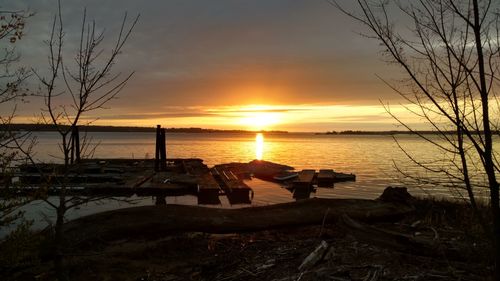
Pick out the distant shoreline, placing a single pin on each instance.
(351, 132)
(135, 129)
(195, 130)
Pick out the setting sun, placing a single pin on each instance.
(259, 120)
(259, 117)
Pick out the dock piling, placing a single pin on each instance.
(157, 149)
(163, 151)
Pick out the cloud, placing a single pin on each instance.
(263, 110)
(194, 59)
(143, 116)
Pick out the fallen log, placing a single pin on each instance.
(398, 241)
(160, 220)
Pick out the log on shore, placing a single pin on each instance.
(160, 220)
(400, 242)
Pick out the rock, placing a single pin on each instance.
(265, 169)
(396, 195)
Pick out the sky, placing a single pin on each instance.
(233, 64)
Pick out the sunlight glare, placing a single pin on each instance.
(259, 120)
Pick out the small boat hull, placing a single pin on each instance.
(285, 176)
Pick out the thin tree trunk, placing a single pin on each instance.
(58, 241)
(488, 143)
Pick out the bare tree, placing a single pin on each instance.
(89, 83)
(16, 246)
(451, 58)
(11, 29)
(12, 79)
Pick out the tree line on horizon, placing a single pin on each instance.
(40, 127)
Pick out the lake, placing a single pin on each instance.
(372, 158)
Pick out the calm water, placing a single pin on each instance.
(371, 158)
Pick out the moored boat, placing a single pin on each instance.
(286, 175)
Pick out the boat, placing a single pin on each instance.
(285, 175)
(340, 177)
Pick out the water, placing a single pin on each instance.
(371, 157)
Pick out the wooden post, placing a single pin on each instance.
(157, 149)
(163, 151)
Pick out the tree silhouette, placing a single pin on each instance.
(451, 57)
(89, 83)
(12, 78)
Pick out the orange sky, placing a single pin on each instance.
(277, 64)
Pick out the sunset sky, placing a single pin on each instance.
(235, 64)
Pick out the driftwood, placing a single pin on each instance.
(161, 220)
(398, 241)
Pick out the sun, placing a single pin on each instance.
(259, 120)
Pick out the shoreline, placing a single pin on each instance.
(420, 237)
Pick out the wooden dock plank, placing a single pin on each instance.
(305, 179)
(236, 191)
(325, 178)
(306, 176)
(125, 177)
(326, 174)
(208, 189)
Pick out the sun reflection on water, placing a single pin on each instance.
(259, 146)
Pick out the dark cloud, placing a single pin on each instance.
(277, 110)
(221, 53)
(139, 116)
(364, 118)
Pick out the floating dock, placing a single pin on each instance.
(305, 179)
(159, 177)
(114, 177)
(235, 189)
(127, 177)
(325, 178)
(303, 185)
(176, 177)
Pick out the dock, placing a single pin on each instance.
(235, 189)
(114, 177)
(175, 177)
(208, 190)
(325, 178)
(127, 177)
(159, 177)
(304, 179)
(303, 185)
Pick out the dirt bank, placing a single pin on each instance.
(270, 243)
